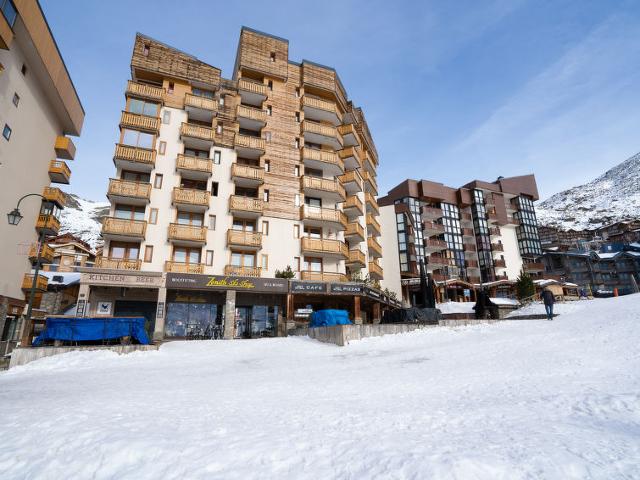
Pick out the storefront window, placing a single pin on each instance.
(197, 316)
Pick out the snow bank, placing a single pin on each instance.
(514, 400)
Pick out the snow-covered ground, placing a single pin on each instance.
(513, 400)
(560, 308)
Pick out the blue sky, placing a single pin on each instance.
(452, 91)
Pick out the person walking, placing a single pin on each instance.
(548, 299)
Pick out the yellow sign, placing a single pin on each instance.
(230, 283)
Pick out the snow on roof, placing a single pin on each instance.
(606, 255)
(62, 278)
(504, 301)
(545, 281)
(569, 284)
(634, 245)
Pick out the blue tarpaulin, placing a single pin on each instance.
(72, 329)
(327, 318)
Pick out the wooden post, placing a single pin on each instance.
(376, 313)
(357, 315)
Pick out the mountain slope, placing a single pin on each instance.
(83, 218)
(612, 197)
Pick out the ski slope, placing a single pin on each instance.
(513, 400)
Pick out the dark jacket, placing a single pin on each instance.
(547, 297)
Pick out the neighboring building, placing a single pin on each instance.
(619, 232)
(69, 252)
(219, 184)
(39, 108)
(482, 233)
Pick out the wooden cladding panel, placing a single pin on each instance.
(325, 79)
(255, 53)
(157, 57)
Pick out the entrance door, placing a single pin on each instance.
(137, 309)
(243, 322)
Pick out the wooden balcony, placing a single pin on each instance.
(245, 206)
(46, 253)
(431, 229)
(249, 147)
(370, 183)
(247, 175)
(349, 135)
(320, 109)
(352, 182)
(195, 168)
(325, 160)
(471, 264)
(324, 247)
(59, 172)
(497, 247)
(323, 216)
(353, 207)
(492, 217)
(134, 158)
(372, 204)
(373, 226)
(368, 163)
(354, 232)
(436, 262)
(308, 275)
(54, 195)
(432, 245)
(499, 263)
(64, 148)
(179, 267)
(375, 271)
(118, 263)
(254, 272)
(533, 267)
(48, 223)
(356, 258)
(494, 231)
(351, 157)
(140, 122)
(468, 232)
(191, 199)
(41, 282)
(200, 108)
(375, 249)
(126, 191)
(323, 187)
(431, 213)
(122, 228)
(251, 118)
(197, 136)
(252, 92)
(321, 134)
(244, 239)
(187, 234)
(146, 92)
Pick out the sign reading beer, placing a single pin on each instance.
(226, 282)
(348, 288)
(308, 287)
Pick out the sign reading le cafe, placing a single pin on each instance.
(226, 282)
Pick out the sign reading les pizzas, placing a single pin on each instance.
(347, 288)
(226, 282)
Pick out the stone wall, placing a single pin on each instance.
(22, 356)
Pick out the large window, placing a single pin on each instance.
(190, 218)
(142, 107)
(9, 11)
(129, 212)
(312, 264)
(134, 138)
(124, 251)
(528, 237)
(483, 240)
(186, 255)
(243, 259)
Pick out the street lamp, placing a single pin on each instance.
(14, 218)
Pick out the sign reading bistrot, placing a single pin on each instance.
(226, 282)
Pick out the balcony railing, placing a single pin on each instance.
(252, 86)
(352, 177)
(434, 245)
(370, 180)
(55, 195)
(48, 222)
(320, 104)
(494, 231)
(118, 263)
(321, 129)
(41, 282)
(322, 276)
(372, 203)
(323, 156)
(64, 148)
(142, 122)
(246, 141)
(499, 263)
(432, 228)
(497, 247)
(243, 271)
(432, 212)
(59, 172)
(179, 267)
(318, 245)
(145, 91)
(354, 229)
(247, 172)
(535, 267)
(351, 156)
(202, 103)
(375, 249)
(244, 238)
(190, 196)
(194, 164)
(323, 184)
(347, 129)
(251, 113)
(353, 205)
(135, 154)
(323, 215)
(197, 131)
(358, 257)
(189, 233)
(46, 253)
(127, 188)
(121, 226)
(373, 224)
(245, 204)
(375, 271)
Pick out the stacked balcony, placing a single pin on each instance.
(497, 247)
(247, 175)
(123, 229)
(145, 92)
(432, 245)
(431, 213)
(244, 239)
(235, 270)
(118, 263)
(41, 282)
(190, 199)
(245, 207)
(46, 253)
(322, 276)
(324, 248)
(356, 259)
(375, 271)
(354, 232)
(353, 207)
(140, 122)
(533, 267)
(351, 157)
(248, 146)
(252, 92)
(322, 134)
(349, 135)
(499, 263)
(373, 226)
(188, 235)
(59, 172)
(468, 233)
(323, 217)
(325, 160)
(54, 195)
(194, 168)
(179, 267)
(375, 249)
(134, 158)
(431, 229)
(47, 223)
(322, 187)
(203, 109)
(370, 183)
(129, 192)
(369, 164)
(197, 136)
(64, 148)
(372, 204)
(320, 110)
(352, 182)
(251, 118)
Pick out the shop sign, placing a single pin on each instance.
(226, 282)
(307, 287)
(121, 280)
(348, 288)
(104, 308)
(370, 292)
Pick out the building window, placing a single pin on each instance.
(267, 137)
(219, 129)
(10, 13)
(312, 264)
(162, 148)
(296, 263)
(243, 259)
(265, 228)
(16, 99)
(296, 170)
(267, 166)
(145, 50)
(273, 56)
(297, 92)
(166, 117)
(296, 231)
(134, 138)
(142, 107)
(265, 262)
(217, 154)
(270, 84)
(297, 143)
(214, 189)
(148, 253)
(153, 216)
(24, 69)
(171, 87)
(6, 132)
(186, 255)
(297, 117)
(157, 181)
(265, 195)
(124, 251)
(221, 100)
(269, 110)
(198, 92)
(212, 222)
(296, 200)
(209, 258)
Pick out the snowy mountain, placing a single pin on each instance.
(83, 218)
(610, 198)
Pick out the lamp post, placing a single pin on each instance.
(14, 218)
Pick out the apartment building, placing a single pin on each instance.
(67, 252)
(40, 110)
(483, 233)
(221, 183)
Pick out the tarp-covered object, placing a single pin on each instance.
(412, 315)
(328, 318)
(72, 329)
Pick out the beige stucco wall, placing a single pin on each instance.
(512, 258)
(389, 242)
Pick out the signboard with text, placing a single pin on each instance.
(226, 282)
(308, 287)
